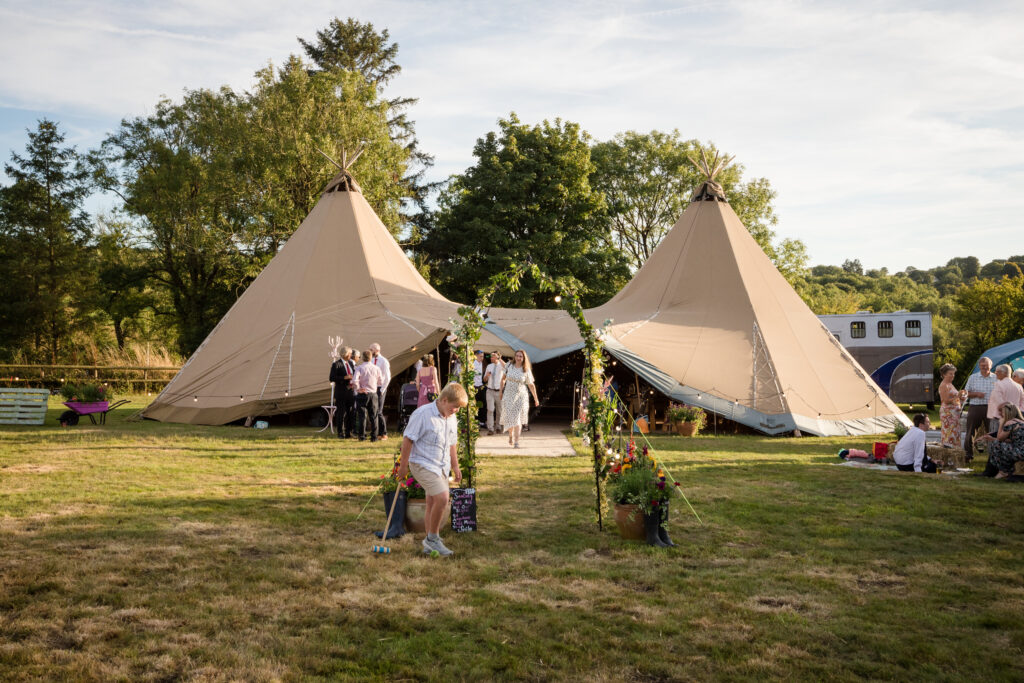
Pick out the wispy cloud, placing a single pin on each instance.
(892, 134)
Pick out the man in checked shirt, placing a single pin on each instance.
(979, 387)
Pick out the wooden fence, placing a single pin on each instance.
(131, 378)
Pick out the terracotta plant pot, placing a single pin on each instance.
(630, 528)
(685, 428)
(415, 516)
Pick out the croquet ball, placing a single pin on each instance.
(434, 553)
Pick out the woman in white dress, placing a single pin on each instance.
(515, 402)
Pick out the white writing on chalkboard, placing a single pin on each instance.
(463, 509)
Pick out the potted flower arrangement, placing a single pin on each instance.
(410, 511)
(641, 496)
(687, 420)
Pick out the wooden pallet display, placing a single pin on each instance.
(23, 406)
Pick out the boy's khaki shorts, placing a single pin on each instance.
(432, 482)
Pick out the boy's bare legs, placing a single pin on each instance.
(434, 513)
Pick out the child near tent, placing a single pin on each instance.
(429, 451)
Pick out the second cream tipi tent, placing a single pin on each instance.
(709, 320)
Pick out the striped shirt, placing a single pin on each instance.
(978, 383)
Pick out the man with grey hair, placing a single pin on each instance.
(1005, 390)
(1018, 376)
(979, 386)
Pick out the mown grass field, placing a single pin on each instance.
(142, 551)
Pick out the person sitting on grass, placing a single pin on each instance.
(1007, 448)
(909, 452)
(429, 451)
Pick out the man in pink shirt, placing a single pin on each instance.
(366, 379)
(1004, 391)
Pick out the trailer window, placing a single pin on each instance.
(884, 328)
(858, 330)
(913, 328)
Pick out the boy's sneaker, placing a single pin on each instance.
(437, 545)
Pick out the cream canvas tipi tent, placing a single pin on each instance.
(340, 274)
(708, 320)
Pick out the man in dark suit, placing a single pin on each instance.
(344, 395)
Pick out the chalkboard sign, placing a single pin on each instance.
(463, 509)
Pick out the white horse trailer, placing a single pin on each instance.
(894, 348)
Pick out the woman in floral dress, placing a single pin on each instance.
(949, 413)
(515, 402)
(1005, 450)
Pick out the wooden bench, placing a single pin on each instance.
(23, 406)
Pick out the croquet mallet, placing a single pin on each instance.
(383, 549)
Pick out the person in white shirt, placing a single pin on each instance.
(430, 452)
(978, 387)
(493, 376)
(909, 452)
(1005, 390)
(478, 384)
(385, 368)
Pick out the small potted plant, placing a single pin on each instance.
(686, 420)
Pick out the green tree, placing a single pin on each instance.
(289, 118)
(174, 170)
(990, 312)
(528, 196)
(45, 234)
(648, 178)
(358, 48)
(123, 275)
(222, 179)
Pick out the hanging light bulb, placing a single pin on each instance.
(558, 298)
(286, 393)
(241, 398)
(195, 399)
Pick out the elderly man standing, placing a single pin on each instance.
(979, 387)
(366, 382)
(384, 366)
(1004, 391)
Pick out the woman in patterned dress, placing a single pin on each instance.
(515, 403)
(1005, 450)
(949, 413)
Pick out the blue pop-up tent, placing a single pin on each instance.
(1011, 353)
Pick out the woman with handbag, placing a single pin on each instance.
(427, 382)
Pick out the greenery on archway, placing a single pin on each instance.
(598, 407)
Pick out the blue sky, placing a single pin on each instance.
(892, 131)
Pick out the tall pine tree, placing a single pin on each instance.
(44, 236)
